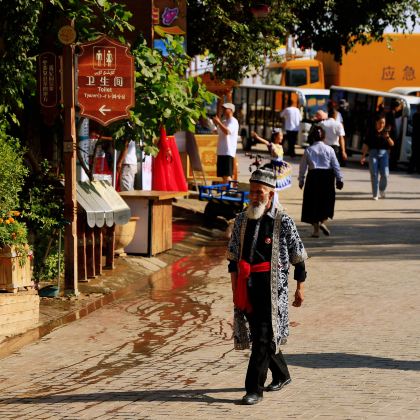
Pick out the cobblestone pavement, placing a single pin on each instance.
(353, 351)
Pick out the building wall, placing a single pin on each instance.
(375, 66)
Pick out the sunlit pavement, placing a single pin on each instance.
(167, 353)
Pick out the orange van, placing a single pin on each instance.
(303, 73)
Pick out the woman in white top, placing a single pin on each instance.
(319, 193)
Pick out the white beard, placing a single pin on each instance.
(256, 212)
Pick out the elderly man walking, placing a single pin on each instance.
(263, 244)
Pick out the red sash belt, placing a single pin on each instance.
(261, 267)
(241, 299)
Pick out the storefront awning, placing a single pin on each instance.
(122, 212)
(102, 204)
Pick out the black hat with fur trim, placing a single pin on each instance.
(264, 177)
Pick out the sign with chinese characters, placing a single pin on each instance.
(407, 73)
(47, 79)
(105, 80)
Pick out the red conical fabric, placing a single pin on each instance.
(168, 174)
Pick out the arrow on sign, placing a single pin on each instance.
(103, 110)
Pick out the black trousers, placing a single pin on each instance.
(291, 137)
(263, 355)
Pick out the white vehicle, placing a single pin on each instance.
(363, 104)
(406, 90)
(258, 109)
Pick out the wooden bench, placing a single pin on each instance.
(154, 229)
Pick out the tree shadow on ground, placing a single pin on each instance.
(164, 395)
(350, 361)
(363, 239)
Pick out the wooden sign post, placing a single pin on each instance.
(70, 199)
(105, 93)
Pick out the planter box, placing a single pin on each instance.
(18, 312)
(12, 274)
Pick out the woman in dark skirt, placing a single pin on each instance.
(323, 172)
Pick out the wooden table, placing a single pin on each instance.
(154, 229)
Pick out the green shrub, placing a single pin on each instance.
(42, 204)
(48, 270)
(12, 171)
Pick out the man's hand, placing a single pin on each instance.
(301, 185)
(344, 155)
(216, 120)
(339, 185)
(298, 297)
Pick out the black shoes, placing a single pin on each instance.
(277, 386)
(251, 399)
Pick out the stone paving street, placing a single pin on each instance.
(167, 353)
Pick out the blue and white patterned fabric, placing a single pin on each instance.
(287, 249)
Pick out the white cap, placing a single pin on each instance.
(228, 105)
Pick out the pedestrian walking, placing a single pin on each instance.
(378, 143)
(228, 131)
(292, 118)
(414, 164)
(263, 244)
(319, 194)
(334, 134)
(127, 166)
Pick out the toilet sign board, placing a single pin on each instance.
(105, 80)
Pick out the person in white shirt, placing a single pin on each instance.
(292, 118)
(334, 134)
(228, 131)
(127, 166)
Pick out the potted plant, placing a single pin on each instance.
(15, 253)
